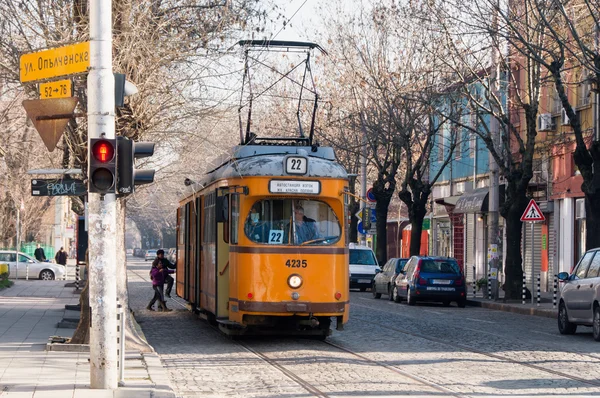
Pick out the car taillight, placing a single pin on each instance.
(458, 282)
(422, 281)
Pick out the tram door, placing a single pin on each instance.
(197, 252)
(222, 263)
(191, 254)
(182, 250)
(186, 251)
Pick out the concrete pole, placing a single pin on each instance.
(494, 193)
(17, 248)
(474, 214)
(363, 185)
(102, 210)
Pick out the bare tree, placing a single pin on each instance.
(165, 48)
(571, 56)
(503, 94)
(394, 86)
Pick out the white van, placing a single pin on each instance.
(363, 267)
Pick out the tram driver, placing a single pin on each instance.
(257, 229)
(305, 228)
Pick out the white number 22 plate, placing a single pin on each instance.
(296, 165)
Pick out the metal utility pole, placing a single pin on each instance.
(494, 193)
(102, 208)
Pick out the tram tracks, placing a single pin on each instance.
(454, 345)
(273, 363)
(300, 380)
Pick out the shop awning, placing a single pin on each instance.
(473, 202)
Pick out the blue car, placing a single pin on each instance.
(431, 279)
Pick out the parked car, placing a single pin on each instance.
(384, 280)
(431, 279)
(363, 267)
(580, 296)
(129, 252)
(40, 270)
(150, 255)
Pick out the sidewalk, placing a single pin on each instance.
(545, 309)
(29, 314)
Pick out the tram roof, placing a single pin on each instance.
(268, 160)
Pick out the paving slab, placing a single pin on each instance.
(29, 314)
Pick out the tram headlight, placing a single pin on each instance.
(295, 281)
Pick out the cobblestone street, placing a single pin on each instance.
(387, 349)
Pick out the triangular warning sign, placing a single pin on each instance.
(50, 129)
(532, 212)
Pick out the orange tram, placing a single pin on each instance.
(262, 241)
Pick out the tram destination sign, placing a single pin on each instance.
(58, 187)
(295, 186)
(61, 61)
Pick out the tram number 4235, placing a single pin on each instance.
(291, 263)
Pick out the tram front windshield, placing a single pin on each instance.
(292, 222)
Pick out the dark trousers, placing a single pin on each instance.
(158, 296)
(169, 281)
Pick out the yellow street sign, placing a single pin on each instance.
(57, 89)
(61, 61)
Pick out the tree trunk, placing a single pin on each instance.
(416, 214)
(82, 333)
(592, 221)
(133, 340)
(588, 162)
(415, 236)
(513, 269)
(515, 205)
(381, 212)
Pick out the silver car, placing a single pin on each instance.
(41, 270)
(150, 254)
(580, 296)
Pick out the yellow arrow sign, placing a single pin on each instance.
(61, 61)
(57, 89)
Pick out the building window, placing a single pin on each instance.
(440, 143)
(584, 89)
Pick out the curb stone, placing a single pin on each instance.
(515, 308)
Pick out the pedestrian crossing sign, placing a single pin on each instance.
(532, 213)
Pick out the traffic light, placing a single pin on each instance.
(102, 166)
(127, 176)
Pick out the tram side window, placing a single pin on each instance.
(182, 225)
(292, 222)
(235, 217)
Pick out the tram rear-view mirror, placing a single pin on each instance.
(222, 208)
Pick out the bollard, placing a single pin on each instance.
(27, 271)
(554, 292)
(474, 283)
(121, 341)
(524, 287)
(489, 283)
(77, 276)
(538, 290)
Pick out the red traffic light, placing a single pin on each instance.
(103, 151)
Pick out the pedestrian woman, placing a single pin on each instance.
(157, 274)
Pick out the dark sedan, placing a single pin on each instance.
(431, 279)
(384, 280)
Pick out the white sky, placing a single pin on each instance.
(303, 16)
